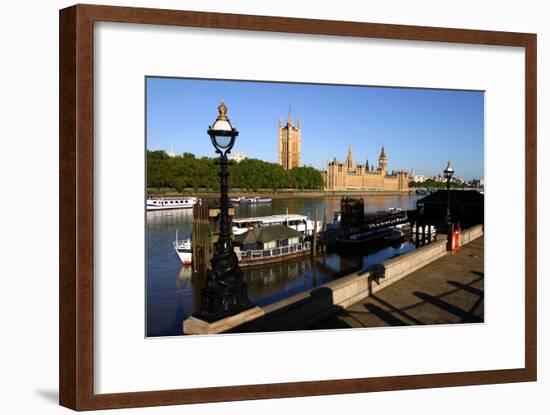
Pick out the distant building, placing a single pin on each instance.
(290, 144)
(419, 178)
(238, 157)
(348, 176)
(171, 152)
(477, 183)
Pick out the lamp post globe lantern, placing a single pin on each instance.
(448, 175)
(222, 133)
(225, 292)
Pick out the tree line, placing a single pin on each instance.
(188, 171)
(431, 183)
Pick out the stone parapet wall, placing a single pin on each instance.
(470, 234)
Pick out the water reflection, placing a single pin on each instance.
(173, 291)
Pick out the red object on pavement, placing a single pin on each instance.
(456, 236)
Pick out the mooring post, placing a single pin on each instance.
(197, 283)
(199, 240)
(198, 243)
(203, 242)
(209, 240)
(314, 247)
(207, 237)
(417, 233)
(324, 229)
(194, 240)
(423, 233)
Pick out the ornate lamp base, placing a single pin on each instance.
(221, 299)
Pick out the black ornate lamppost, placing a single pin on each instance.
(225, 292)
(448, 174)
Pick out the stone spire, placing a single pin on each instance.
(289, 116)
(349, 160)
(383, 162)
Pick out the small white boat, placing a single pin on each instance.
(254, 200)
(164, 203)
(264, 200)
(184, 249)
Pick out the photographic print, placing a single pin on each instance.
(275, 206)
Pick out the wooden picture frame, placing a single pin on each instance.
(76, 278)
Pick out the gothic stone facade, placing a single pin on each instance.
(290, 144)
(348, 176)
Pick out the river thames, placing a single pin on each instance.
(172, 290)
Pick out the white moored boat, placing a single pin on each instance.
(184, 249)
(300, 223)
(164, 203)
(254, 200)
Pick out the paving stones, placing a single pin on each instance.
(449, 290)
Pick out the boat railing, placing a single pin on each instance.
(257, 254)
(182, 243)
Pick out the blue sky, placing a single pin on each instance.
(420, 129)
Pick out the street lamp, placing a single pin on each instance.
(225, 292)
(448, 174)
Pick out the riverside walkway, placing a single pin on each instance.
(448, 290)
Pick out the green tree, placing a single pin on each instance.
(187, 171)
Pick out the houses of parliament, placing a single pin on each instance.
(340, 175)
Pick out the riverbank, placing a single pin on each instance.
(279, 194)
(446, 291)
